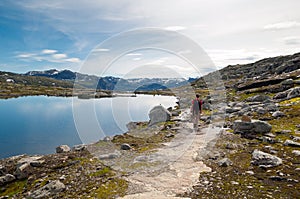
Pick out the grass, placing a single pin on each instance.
(13, 188)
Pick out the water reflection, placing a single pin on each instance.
(36, 125)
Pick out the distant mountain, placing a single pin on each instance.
(112, 83)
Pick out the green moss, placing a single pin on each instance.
(106, 171)
(13, 188)
(112, 189)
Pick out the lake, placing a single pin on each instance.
(38, 124)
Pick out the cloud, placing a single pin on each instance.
(48, 51)
(100, 50)
(292, 40)
(282, 25)
(133, 54)
(48, 56)
(59, 56)
(175, 28)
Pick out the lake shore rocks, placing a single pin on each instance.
(159, 114)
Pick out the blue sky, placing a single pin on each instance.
(39, 35)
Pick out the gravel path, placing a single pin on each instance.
(175, 169)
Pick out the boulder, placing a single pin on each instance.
(48, 190)
(287, 82)
(6, 179)
(280, 95)
(110, 156)
(2, 170)
(225, 162)
(125, 146)
(260, 158)
(291, 143)
(63, 149)
(34, 161)
(159, 114)
(296, 152)
(272, 107)
(23, 171)
(278, 114)
(261, 110)
(258, 98)
(261, 126)
(79, 147)
(293, 92)
(255, 126)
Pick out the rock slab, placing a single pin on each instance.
(264, 159)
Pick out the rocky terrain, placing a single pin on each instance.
(248, 147)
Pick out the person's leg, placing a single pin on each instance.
(196, 122)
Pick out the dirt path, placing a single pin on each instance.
(175, 169)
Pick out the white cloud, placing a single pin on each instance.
(282, 25)
(59, 56)
(136, 59)
(133, 54)
(175, 28)
(100, 50)
(26, 55)
(48, 51)
(292, 40)
(73, 60)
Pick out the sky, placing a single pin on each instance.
(78, 35)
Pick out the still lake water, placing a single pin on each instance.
(36, 125)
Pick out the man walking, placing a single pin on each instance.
(196, 110)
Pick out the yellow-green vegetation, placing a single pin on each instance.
(13, 188)
(106, 171)
(112, 189)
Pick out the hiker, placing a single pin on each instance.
(196, 110)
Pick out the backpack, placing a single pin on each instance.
(196, 106)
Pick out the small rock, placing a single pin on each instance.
(261, 110)
(234, 183)
(231, 146)
(278, 114)
(35, 161)
(23, 171)
(261, 126)
(268, 140)
(291, 143)
(6, 179)
(293, 92)
(296, 152)
(225, 162)
(125, 146)
(110, 156)
(284, 132)
(264, 159)
(48, 190)
(249, 172)
(246, 118)
(79, 147)
(63, 149)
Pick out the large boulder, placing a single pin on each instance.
(6, 179)
(260, 158)
(258, 98)
(63, 149)
(159, 114)
(48, 190)
(23, 171)
(293, 92)
(255, 126)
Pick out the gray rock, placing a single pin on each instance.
(296, 138)
(278, 114)
(261, 110)
(264, 159)
(79, 147)
(175, 113)
(23, 171)
(296, 152)
(110, 156)
(249, 172)
(159, 114)
(261, 126)
(241, 126)
(131, 125)
(2, 170)
(293, 92)
(258, 98)
(225, 162)
(272, 107)
(48, 190)
(125, 146)
(63, 149)
(284, 132)
(291, 143)
(287, 82)
(280, 95)
(34, 161)
(6, 179)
